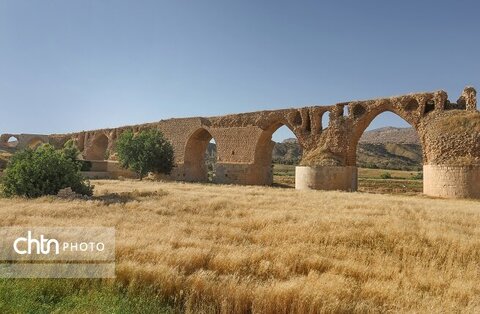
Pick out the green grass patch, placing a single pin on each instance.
(75, 296)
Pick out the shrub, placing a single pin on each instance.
(418, 176)
(386, 175)
(43, 171)
(3, 162)
(147, 151)
(70, 151)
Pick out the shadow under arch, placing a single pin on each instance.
(98, 149)
(264, 150)
(195, 168)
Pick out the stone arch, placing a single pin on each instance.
(35, 142)
(360, 125)
(194, 165)
(12, 141)
(98, 149)
(264, 149)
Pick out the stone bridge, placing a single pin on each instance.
(449, 133)
(14, 142)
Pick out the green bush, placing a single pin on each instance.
(418, 176)
(70, 151)
(43, 171)
(147, 151)
(3, 162)
(386, 175)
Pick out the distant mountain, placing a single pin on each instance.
(390, 148)
(389, 156)
(287, 152)
(390, 135)
(289, 140)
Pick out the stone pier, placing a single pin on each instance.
(451, 181)
(326, 178)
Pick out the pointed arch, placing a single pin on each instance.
(264, 149)
(386, 154)
(12, 141)
(195, 168)
(364, 119)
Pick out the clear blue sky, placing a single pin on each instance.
(79, 65)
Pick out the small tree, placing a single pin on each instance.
(147, 151)
(386, 175)
(43, 171)
(418, 176)
(70, 151)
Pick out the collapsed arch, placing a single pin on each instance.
(195, 168)
(98, 149)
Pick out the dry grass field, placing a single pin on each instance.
(235, 249)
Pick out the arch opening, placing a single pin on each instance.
(12, 142)
(99, 148)
(211, 160)
(277, 153)
(325, 119)
(200, 157)
(389, 156)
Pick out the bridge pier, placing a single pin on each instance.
(451, 181)
(343, 178)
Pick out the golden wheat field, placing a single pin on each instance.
(235, 249)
